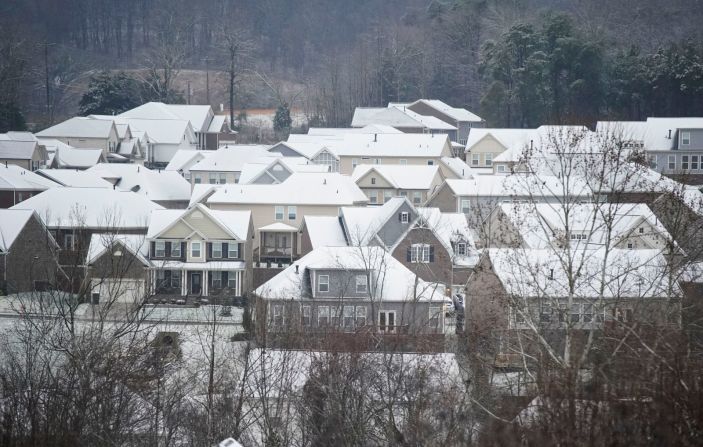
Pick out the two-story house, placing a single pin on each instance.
(458, 117)
(484, 145)
(401, 118)
(85, 133)
(224, 166)
(200, 253)
(380, 183)
(349, 289)
(22, 149)
(18, 184)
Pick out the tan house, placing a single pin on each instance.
(382, 182)
(484, 145)
(22, 149)
(85, 133)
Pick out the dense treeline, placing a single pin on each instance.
(500, 58)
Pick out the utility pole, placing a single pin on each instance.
(188, 93)
(48, 86)
(207, 80)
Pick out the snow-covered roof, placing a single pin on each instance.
(362, 224)
(79, 127)
(68, 157)
(183, 159)
(324, 231)
(458, 167)
(162, 131)
(102, 242)
(197, 115)
(75, 178)
(371, 128)
(657, 134)
(154, 185)
(103, 208)
(230, 158)
(252, 170)
(397, 117)
(217, 123)
(11, 224)
(17, 150)
(506, 137)
(517, 185)
(391, 280)
(17, 178)
(298, 189)
(540, 223)
(428, 121)
(621, 273)
(451, 228)
(456, 113)
(400, 176)
(279, 226)
(15, 135)
(372, 145)
(236, 223)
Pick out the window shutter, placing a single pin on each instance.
(168, 249)
(225, 277)
(153, 249)
(225, 250)
(240, 251)
(209, 250)
(209, 279)
(183, 250)
(431, 253)
(167, 276)
(409, 255)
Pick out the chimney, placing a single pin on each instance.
(669, 137)
(531, 141)
(297, 269)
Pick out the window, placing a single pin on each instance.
(306, 316)
(326, 158)
(518, 316)
(488, 157)
(435, 318)
(216, 280)
(176, 249)
(349, 318)
(292, 212)
(685, 138)
(278, 317)
(417, 197)
(500, 168)
(175, 279)
(360, 316)
(630, 246)
(641, 230)
(694, 162)
(420, 253)
(195, 249)
(355, 163)
(323, 283)
(323, 315)
(233, 250)
(578, 236)
(461, 249)
(278, 212)
(386, 321)
(545, 314)
(684, 162)
(403, 161)
(373, 197)
(373, 180)
(475, 159)
(465, 206)
(223, 178)
(213, 178)
(160, 249)
(587, 312)
(334, 313)
(387, 195)
(575, 313)
(653, 161)
(622, 314)
(672, 162)
(217, 249)
(232, 279)
(430, 162)
(197, 178)
(404, 217)
(362, 284)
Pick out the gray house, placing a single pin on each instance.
(460, 118)
(349, 289)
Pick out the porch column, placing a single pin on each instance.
(204, 285)
(184, 282)
(239, 283)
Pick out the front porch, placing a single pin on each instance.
(278, 245)
(208, 281)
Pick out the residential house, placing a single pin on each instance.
(167, 188)
(402, 119)
(349, 289)
(131, 147)
(28, 253)
(164, 137)
(18, 184)
(117, 268)
(224, 166)
(368, 129)
(63, 156)
(184, 159)
(485, 144)
(534, 291)
(383, 182)
(277, 210)
(85, 133)
(672, 145)
(200, 253)
(22, 149)
(208, 127)
(74, 178)
(73, 215)
(272, 169)
(458, 117)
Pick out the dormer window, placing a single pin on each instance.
(641, 230)
(404, 217)
(685, 138)
(323, 283)
(362, 284)
(461, 248)
(373, 180)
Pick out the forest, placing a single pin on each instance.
(517, 63)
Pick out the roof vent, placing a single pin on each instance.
(297, 268)
(375, 138)
(669, 137)
(324, 181)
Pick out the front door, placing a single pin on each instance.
(195, 283)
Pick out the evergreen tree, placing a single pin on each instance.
(110, 94)
(11, 118)
(282, 122)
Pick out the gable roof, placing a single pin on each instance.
(230, 158)
(400, 176)
(91, 207)
(517, 185)
(299, 189)
(654, 132)
(391, 280)
(80, 127)
(197, 115)
(253, 170)
(324, 231)
(17, 150)
(456, 113)
(17, 178)
(371, 128)
(69, 157)
(183, 159)
(163, 131)
(100, 243)
(362, 224)
(75, 178)
(235, 223)
(506, 137)
(450, 228)
(401, 145)
(12, 222)
(458, 167)
(428, 121)
(154, 185)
